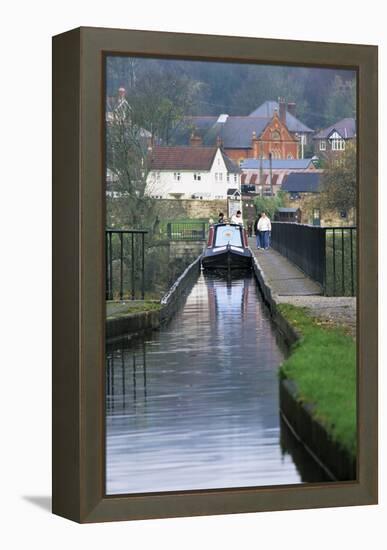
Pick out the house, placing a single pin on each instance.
(191, 173)
(335, 137)
(265, 131)
(286, 214)
(303, 193)
(297, 128)
(256, 173)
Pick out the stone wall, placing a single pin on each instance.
(171, 209)
(328, 218)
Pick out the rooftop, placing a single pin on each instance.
(267, 110)
(302, 182)
(346, 127)
(277, 164)
(187, 158)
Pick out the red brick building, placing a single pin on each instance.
(264, 132)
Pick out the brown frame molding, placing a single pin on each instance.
(78, 275)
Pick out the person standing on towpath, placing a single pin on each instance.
(264, 229)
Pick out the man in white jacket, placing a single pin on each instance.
(264, 228)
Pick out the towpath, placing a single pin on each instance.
(288, 284)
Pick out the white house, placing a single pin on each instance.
(191, 173)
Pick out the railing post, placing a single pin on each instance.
(111, 267)
(121, 266)
(143, 266)
(132, 259)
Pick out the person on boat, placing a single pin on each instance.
(221, 218)
(264, 228)
(237, 218)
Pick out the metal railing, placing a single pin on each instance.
(326, 254)
(125, 263)
(186, 231)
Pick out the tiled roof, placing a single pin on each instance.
(345, 127)
(237, 132)
(276, 164)
(188, 158)
(267, 110)
(304, 182)
(182, 158)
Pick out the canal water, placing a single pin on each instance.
(196, 404)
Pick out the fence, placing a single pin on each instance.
(326, 254)
(187, 231)
(125, 263)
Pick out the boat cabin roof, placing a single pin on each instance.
(228, 233)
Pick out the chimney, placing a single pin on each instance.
(282, 110)
(254, 145)
(195, 141)
(292, 108)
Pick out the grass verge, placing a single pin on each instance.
(323, 366)
(115, 310)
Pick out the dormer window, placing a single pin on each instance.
(323, 145)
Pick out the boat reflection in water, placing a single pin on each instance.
(195, 405)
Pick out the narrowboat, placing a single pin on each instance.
(227, 248)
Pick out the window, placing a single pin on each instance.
(216, 176)
(157, 176)
(176, 176)
(323, 145)
(338, 144)
(290, 156)
(225, 235)
(236, 178)
(343, 214)
(197, 177)
(228, 177)
(220, 176)
(275, 135)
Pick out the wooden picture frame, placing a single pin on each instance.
(78, 275)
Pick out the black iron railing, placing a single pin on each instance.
(125, 263)
(186, 231)
(326, 254)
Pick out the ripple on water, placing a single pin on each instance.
(196, 405)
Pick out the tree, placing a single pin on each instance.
(269, 204)
(341, 102)
(128, 205)
(339, 181)
(159, 102)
